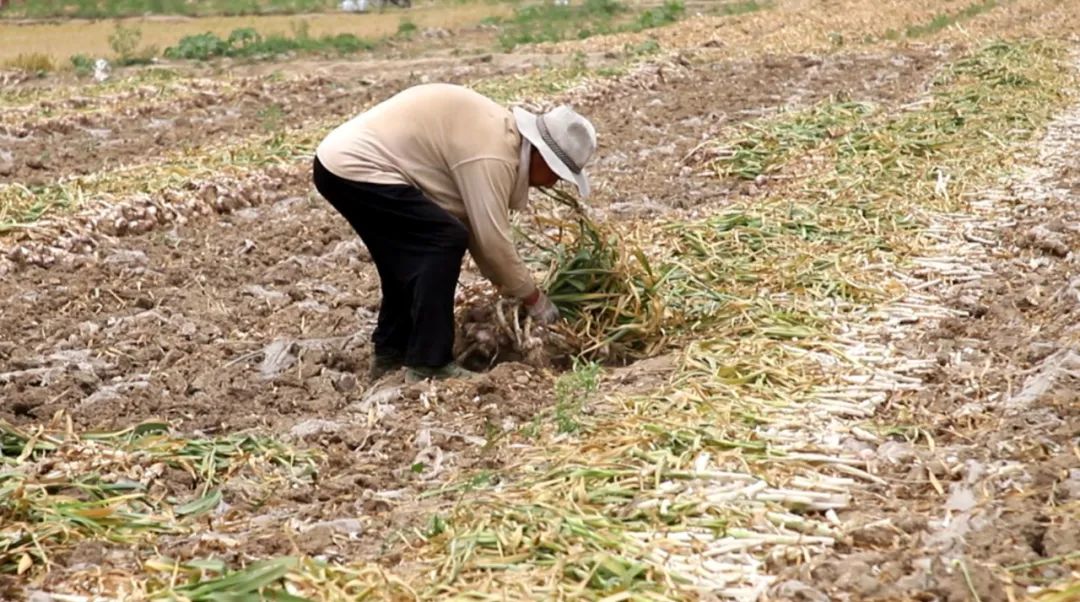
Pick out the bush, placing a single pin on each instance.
(552, 23)
(124, 42)
(199, 47)
(346, 43)
(82, 64)
(272, 45)
(742, 8)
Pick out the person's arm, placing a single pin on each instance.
(485, 186)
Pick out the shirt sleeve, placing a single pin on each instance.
(485, 186)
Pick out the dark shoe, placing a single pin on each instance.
(384, 364)
(451, 370)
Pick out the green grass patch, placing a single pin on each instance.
(546, 22)
(108, 9)
(539, 23)
(572, 390)
(740, 8)
(246, 42)
(82, 64)
(944, 20)
(647, 48)
(166, 81)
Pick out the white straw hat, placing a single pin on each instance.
(565, 139)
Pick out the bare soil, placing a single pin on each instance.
(258, 318)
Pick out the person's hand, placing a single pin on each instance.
(541, 308)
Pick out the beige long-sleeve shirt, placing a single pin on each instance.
(458, 147)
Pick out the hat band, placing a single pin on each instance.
(559, 152)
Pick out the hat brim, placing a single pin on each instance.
(526, 123)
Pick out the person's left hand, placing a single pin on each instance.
(543, 310)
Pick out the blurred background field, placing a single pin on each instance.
(104, 9)
(60, 40)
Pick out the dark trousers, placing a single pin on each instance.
(417, 248)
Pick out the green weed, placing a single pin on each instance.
(406, 29)
(533, 429)
(549, 80)
(124, 41)
(210, 580)
(82, 64)
(541, 23)
(572, 390)
(666, 14)
(538, 23)
(646, 48)
(944, 20)
(436, 526)
(272, 121)
(199, 47)
(551, 23)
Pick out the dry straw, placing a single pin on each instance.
(605, 288)
(58, 487)
(736, 461)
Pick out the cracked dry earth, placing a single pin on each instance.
(258, 318)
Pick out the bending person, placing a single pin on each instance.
(428, 174)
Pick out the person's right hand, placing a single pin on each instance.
(542, 309)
